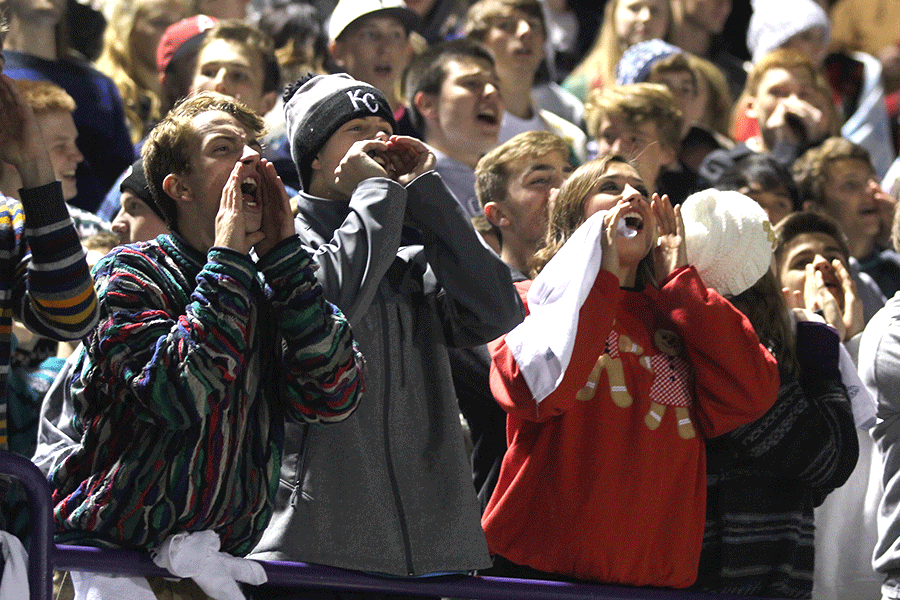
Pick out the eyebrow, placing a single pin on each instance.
(540, 167)
(803, 252)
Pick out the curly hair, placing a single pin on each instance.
(811, 169)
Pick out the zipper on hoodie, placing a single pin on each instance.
(401, 516)
(301, 470)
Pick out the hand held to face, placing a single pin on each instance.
(21, 141)
(671, 251)
(365, 159)
(277, 217)
(231, 227)
(409, 158)
(853, 315)
(817, 297)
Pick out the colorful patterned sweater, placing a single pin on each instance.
(47, 284)
(183, 389)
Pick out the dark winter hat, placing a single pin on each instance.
(317, 105)
(636, 62)
(135, 181)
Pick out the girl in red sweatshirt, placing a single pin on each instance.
(625, 364)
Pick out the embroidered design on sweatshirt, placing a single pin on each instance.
(671, 386)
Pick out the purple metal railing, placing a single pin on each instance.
(44, 556)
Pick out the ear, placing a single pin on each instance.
(175, 187)
(268, 102)
(495, 214)
(336, 49)
(750, 107)
(426, 104)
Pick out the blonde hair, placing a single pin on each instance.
(45, 97)
(606, 52)
(637, 103)
(118, 61)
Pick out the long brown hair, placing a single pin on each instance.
(567, 215)
(764, 306)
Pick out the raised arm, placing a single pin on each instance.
(736, 378)
(476, 298)
(52, 289)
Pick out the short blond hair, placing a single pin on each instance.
(45, 97)
(636, 104)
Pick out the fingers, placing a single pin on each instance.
(666, 219)
(847, 284)
(793, 298)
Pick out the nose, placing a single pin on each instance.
(119, 226)
(250, 156)
(631, 194)
(618, 147)
(524, 28)
(820, 263)
(76, 154)
(219, 82)
(644, 14)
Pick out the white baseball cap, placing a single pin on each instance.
(348, 11)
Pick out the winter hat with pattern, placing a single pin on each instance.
(774, 22)
(729, 239)
(638, 59)
(317, 105)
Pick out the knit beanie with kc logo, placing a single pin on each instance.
(316, 106)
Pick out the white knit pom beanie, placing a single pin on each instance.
(775, 21)
(729, 239)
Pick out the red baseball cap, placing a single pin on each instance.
(177, 35)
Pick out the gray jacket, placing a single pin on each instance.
(389, 490)
(879, 369)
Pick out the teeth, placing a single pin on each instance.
(633, 219)
(248, 186)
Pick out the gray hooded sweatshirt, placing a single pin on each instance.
(389, 490)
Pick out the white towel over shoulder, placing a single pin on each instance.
(542, 344)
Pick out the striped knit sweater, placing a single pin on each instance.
(183, 389)
(765, 478)
(46, 282)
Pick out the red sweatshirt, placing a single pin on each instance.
(608, 483)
